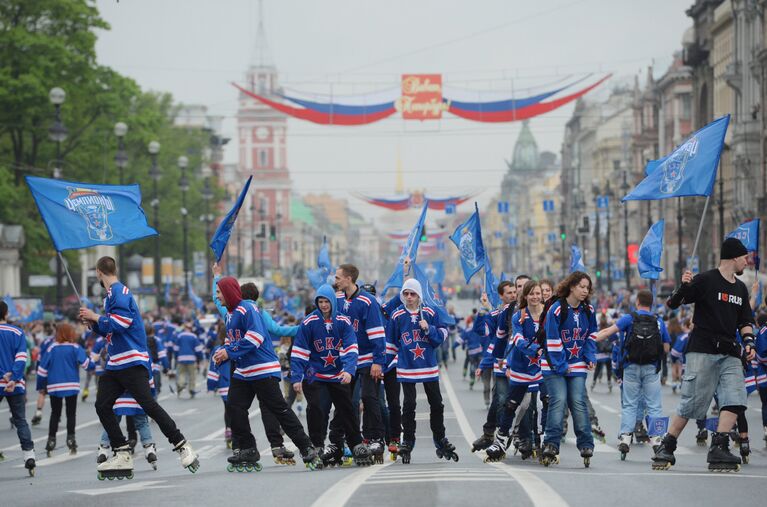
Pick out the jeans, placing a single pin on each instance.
(341, 396)
(142, 426)
(567, 392)
(134, 380)
(56, 406)
(641, 386)
(19, 419)
(436, 410)
(500, 390)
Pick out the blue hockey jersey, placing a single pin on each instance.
(364, 312)
(13, 358)
(188, 348)
(123, 329)
(494, 355)
(245, 334)
(324, 348)
(570, 346)
(59, 370)
(522, 359)
(219, 377)
(416, 351)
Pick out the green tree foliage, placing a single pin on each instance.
(51, 43)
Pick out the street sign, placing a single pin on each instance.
(503, 206)
(42, 280)
(603, 201)
(548, 205)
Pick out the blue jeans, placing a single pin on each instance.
(500, 390)
(641, 390)
(570, 392)
(142, 426)
(19, 419)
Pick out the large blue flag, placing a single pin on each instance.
(689, 170)
(323, 257)
(224, 230)
(491, 285)
(430, 298)
(650, 252)
(748, 234)
(468, 239)
(576, 260)
(435, 270)
(409, 251)
(81, 215)
(13, 312)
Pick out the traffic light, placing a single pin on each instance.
(599, 274)
(424, 236)
(562, 234)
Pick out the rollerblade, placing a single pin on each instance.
(50, 445)
(745, 449)
(312, 460)
(624, 445)
(598, 432)
(85, 394)
(587, 453)
(187, 456)
(497, 451)
(393, 449)
(377, 449)
(640, 434)
(663, 459)
(719, 458)
(192, 394)
(609, 387)
(483, 442)
(404, 452)
(549, 455)
(71, 444)
(526, 449)
(445, 449)
(2, 457)
(361, 455)
(29, 462)
(245, 460)
(702, 437)
(228, 437)
(119, 466)
(333, 455)
(348, 459)
(37, 417)
(103, 454)
(282, 456)
(150, 453)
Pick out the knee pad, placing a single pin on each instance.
(735, 409)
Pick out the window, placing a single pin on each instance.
(686, 112)
(263, 159)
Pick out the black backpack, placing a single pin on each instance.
(644, 344)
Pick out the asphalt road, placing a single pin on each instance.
(66, 479)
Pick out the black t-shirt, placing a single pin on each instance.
(721, 309)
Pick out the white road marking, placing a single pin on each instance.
(186, 412)
(668, 473)
(342, 491)
(540, 493)
(420, 480)
(127, 488)
(61, 433)
(57, 459)
(606, 408)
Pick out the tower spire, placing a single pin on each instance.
(262, 56)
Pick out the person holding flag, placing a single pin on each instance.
(128, 369)
(713, 358)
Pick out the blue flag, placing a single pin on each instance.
(689, 170)
(317, 277)
(409, 251)
(197, 300)
(435, 270)
(650, 252)
(748, 234)
(221, 236)
(323, 257)
(491, 285)
(13, 312)
(430, 298)
(468, 239)
(656, 426)
(81, 215)
(576, 260)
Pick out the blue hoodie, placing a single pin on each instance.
(324, 348)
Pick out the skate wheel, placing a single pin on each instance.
(623, 456)
(230, 468)
(546, 463)
(32, 472)
(240, 468)
(49, 453)
(745, 460)
(392, 457)
(258, 467)
(586, 462)
(99, 475)
(129, 476)
(455, 458)
(154, 466)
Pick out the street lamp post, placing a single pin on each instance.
(277, 234)
(58, 133)
(627, 268)
(596, 191)
(262, 214)
(121, 161)
(609, 196)
(253, 239)
(154, 173)
(207, 195)
(183, 163)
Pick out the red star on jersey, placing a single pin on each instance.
(108, 338)
(574, 350)
(534, 360)
(330, 359)
(418, 351)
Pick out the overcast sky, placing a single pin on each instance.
(195, 48)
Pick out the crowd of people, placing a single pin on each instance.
(356, 358)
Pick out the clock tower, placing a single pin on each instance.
(261, 133)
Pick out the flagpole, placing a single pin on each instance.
(700, 229)
(66, 269)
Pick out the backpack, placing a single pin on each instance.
(644, 344)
